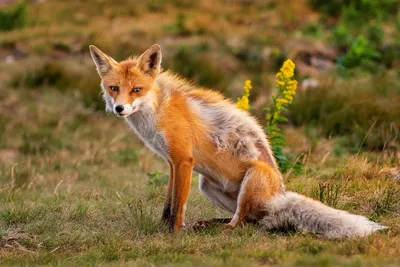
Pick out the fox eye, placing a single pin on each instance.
(137, 89)
(114, 88)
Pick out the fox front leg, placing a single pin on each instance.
(181, 185)
(166, 215)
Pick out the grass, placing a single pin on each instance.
(77, 188)
(85, 200)
(363, 111)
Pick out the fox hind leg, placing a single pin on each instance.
(215, 194)
(260, 184)
(217, 197)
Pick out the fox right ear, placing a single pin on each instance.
(150, 60)
(103, 62)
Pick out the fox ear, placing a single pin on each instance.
(103, 62)
(150, 60)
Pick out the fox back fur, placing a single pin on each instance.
(195, 128)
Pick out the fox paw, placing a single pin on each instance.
(207, 223)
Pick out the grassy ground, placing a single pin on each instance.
(75, 192)
(77, 188)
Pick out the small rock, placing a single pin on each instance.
(309, 83)
(10, 59)
(8, 156)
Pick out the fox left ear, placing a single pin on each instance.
(103, 62)
(150, 60)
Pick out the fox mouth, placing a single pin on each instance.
(123, 115)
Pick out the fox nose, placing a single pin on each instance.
(119, 108)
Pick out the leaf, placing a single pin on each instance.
(281, 119)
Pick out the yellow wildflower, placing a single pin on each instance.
(289, 98)
(290, 63)
(243, 103)
(247, 87)
(282, 101)
(288, 68)
(288, 73)
(290, 90)
(281, 83)
(286, 87)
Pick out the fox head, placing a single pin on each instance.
(127, 84)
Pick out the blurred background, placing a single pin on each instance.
(347, 54)
(57, 144)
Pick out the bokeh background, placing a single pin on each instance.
(76, 185)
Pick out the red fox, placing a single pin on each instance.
(195, 128)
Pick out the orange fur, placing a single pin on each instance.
(187, 135)
(127, 77)
(176, 123)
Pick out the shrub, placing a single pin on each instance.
(179, 27)
(363, 46)
(50, 74)
(361, 116)
(62, 76)
(374, 34)
(342, 38)
(13, 17)
(361, 53)
(358, 8)
(331, 8)
(361, 43)
(312, 29)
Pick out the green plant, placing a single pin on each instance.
(286, 87)
(13, 17)
(312, 29)
(157, 178)
(361, 53)
(374, 34)
(358, 9)
(360, 43)
(331, 8)
(179, 27)
(342, 37)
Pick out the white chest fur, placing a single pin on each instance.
(143, 124)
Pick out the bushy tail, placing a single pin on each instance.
(292, 210)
